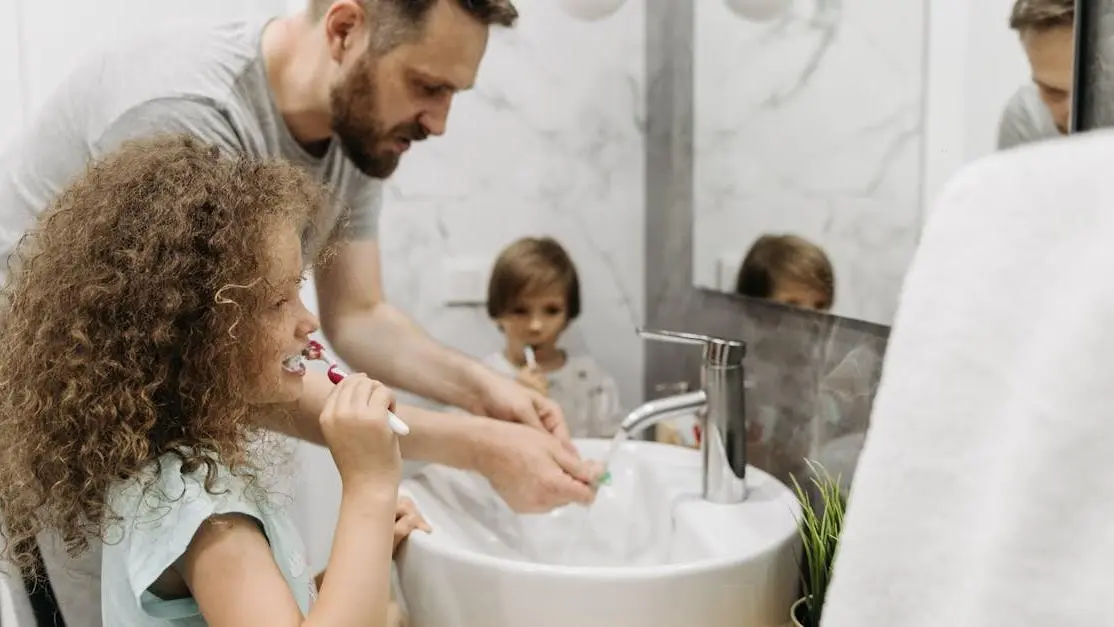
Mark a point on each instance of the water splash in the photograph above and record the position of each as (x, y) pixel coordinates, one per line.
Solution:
(603, 535)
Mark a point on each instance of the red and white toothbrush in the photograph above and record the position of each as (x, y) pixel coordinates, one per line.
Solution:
(316, 352)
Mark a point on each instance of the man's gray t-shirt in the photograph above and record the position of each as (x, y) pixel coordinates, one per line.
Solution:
(1025, 119)
(209, 81)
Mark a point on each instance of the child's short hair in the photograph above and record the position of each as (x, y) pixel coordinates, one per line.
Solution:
(780, 258)
(529, 265)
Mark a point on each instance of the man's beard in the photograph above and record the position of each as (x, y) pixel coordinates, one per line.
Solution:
(357, 125)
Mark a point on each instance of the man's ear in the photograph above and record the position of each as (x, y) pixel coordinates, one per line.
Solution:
(346, 28)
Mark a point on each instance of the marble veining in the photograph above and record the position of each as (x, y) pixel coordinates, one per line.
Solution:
(812, 124)
(550, 141)
(811, 377)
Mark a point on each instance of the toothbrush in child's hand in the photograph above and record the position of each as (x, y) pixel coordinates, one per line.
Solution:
(316, 352)
(532, 363)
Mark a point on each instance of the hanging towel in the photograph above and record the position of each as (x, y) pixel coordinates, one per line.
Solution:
(985, 492)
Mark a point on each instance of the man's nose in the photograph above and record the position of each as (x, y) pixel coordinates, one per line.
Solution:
(435, 120)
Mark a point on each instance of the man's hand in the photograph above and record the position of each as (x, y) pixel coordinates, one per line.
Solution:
(531, 470)
(533, 378)
(503, 398)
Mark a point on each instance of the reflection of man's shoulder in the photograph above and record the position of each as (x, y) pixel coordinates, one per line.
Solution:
(1025, 118)
(1026, 101)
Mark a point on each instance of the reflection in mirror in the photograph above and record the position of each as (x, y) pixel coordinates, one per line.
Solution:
(1000, 75)
(1041, 109)
(787, 269)
(839, 121)
(808, 124)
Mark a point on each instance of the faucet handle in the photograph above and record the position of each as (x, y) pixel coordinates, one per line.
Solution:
(717, 350)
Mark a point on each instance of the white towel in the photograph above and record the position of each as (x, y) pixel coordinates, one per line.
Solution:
(985, 492)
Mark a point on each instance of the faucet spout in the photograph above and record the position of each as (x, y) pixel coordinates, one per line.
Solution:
(723, 444)
(651, 413)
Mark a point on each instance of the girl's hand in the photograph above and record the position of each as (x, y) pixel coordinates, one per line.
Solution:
(407, 519)
(354, 423)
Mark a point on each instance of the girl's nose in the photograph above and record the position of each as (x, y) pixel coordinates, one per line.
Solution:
(308, 324)
(310, 327)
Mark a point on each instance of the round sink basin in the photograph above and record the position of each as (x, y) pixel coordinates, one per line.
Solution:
(648, 553)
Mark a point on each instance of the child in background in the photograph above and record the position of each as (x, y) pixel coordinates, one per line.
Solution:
(533, 295)
(152, 325)
(790, 270)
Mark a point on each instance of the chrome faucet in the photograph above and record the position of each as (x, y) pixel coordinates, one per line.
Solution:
(722, 401)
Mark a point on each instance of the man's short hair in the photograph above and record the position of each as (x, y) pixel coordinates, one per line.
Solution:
(413, 13)
(1042, 14)
(400, 21)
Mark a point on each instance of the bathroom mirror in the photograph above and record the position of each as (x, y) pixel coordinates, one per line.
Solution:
(823, 131)
(808, 128)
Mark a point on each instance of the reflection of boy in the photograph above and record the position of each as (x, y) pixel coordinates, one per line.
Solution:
(533, 296)
(790, 270)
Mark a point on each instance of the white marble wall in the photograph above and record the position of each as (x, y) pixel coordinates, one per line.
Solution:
(812, 123)
(549, 142)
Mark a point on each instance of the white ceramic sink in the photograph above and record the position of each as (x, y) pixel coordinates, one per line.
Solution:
(649, 553)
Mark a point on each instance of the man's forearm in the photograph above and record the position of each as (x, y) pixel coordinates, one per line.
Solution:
(453, 440)
(450, 439)
(388, 346)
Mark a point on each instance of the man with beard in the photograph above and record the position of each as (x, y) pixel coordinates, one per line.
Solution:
(342, 89)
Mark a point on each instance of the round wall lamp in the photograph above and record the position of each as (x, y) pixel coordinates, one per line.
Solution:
(591, 10)
(759, 10)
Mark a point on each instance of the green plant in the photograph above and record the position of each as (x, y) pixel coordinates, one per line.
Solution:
(820, 525)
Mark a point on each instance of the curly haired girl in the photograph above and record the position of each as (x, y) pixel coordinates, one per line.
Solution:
(153, 323)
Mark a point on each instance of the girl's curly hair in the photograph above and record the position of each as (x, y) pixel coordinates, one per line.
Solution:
(129, 326)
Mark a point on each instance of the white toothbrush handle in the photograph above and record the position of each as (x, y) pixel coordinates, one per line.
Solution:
(394, 422)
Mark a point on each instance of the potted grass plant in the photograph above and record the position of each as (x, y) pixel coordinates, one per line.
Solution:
(822, 506)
